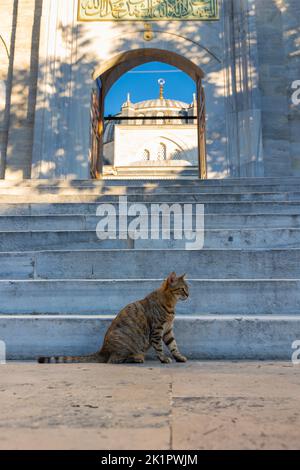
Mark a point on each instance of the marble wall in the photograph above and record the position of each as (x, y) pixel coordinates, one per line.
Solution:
(131, 142)
(249, 58)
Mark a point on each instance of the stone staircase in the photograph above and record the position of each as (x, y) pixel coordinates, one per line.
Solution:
(60, 285)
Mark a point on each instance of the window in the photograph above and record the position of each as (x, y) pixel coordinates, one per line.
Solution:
(162, 152)
(146, 155)
(177, 155)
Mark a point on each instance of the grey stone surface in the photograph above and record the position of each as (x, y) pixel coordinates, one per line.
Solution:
(89, 296)
(199, 337)
(90, 222)
(91, 198)
(214, 239)
(245, 204)
(148, 183)
(139, 264)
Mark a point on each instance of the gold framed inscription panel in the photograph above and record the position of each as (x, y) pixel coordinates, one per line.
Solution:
(148, 10)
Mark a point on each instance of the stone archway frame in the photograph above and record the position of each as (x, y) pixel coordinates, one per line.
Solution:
(111, 70)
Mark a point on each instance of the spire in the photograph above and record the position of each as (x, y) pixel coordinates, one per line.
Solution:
(161, 83)
(127, 103)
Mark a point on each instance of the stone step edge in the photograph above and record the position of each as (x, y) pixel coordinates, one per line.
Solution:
(22, 199)
(141, 193)
(199, 337)
(144, 191)
(31, 198)
(178, 317)
(217, 229)
(145, 250)
(145, 280)
(215, 214)
(71, 182)
(142, 201)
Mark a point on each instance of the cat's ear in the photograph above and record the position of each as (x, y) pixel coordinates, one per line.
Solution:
(172, 278)
(182, 276)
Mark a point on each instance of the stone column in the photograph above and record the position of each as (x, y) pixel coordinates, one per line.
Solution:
(24, 67)
(274, 85)
(243, 104)
(290, 14)
(7, 39)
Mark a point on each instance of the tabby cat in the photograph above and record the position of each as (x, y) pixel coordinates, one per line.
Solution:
(138, 326)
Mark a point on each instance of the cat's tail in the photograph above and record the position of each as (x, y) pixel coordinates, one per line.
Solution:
(96, 357)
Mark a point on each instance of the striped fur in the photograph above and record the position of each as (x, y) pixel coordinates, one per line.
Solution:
(138, 326)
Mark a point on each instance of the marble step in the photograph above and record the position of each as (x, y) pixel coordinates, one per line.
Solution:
(207, 296)
(49, 195)
(231, 239)
(90, 222)
(222, 182)
(140, 187)
(140, 264)
(210, 207)
(239, 337)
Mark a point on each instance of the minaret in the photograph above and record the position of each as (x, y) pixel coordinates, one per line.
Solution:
(128, 110)
(161, 83)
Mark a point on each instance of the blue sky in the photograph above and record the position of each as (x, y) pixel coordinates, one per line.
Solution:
(141, 83)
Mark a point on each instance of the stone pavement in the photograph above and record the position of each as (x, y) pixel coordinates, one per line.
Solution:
(198, 405)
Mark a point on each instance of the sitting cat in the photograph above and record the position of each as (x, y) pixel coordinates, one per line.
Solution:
(141, 324)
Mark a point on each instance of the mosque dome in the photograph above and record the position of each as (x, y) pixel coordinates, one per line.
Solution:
(161, 103)
(155, 108)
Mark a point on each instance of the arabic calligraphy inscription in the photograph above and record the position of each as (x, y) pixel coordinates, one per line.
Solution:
(146, 10)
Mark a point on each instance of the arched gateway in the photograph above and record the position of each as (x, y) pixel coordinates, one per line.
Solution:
(109, 72)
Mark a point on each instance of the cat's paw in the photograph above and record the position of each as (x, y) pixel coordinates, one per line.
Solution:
(165, 360)
(180, 358)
